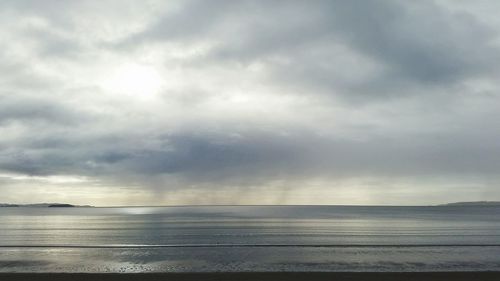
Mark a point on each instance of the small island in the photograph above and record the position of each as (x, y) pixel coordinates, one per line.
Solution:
(61, 206)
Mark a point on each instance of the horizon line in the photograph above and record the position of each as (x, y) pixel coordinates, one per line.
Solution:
(256, 205)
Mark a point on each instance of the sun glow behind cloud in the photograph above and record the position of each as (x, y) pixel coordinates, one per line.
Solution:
(134, 81)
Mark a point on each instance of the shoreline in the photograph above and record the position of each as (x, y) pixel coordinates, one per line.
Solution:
(261, 276)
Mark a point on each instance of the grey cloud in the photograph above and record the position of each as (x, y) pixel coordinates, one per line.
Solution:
(31, 109)
(443, 47)
(419, 46)
(52, 10)
(56, 46)
(195, 155)
(194, 18)
(256, 157)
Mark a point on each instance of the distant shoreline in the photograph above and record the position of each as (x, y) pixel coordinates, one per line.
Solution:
(65, 205)
(43, 205)
(260, 276)
(474, 203)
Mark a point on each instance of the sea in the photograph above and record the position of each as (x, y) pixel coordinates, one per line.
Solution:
(250, 238)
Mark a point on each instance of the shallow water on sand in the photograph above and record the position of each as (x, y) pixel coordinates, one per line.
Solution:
(249, 238)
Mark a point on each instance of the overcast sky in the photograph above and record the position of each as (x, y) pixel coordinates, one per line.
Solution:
(249, 102)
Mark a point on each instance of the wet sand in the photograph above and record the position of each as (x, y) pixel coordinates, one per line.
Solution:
(259, 276)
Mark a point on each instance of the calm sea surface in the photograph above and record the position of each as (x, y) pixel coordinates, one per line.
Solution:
(249, 238)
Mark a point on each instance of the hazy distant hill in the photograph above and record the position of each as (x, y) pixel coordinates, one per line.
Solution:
(8, 205)
(49, 205)
(42, 205)
(475, 203)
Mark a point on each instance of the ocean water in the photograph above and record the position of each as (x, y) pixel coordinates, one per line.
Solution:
(249, 238)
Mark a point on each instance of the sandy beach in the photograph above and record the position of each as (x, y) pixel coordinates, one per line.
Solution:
(260, 276)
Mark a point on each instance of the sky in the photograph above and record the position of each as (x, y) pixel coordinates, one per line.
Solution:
(249, 102)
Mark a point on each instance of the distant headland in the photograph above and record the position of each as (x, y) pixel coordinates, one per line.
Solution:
(473, 203)
(45, 205)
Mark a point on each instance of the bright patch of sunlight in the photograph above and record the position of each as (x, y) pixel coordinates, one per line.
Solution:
(134, 80)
